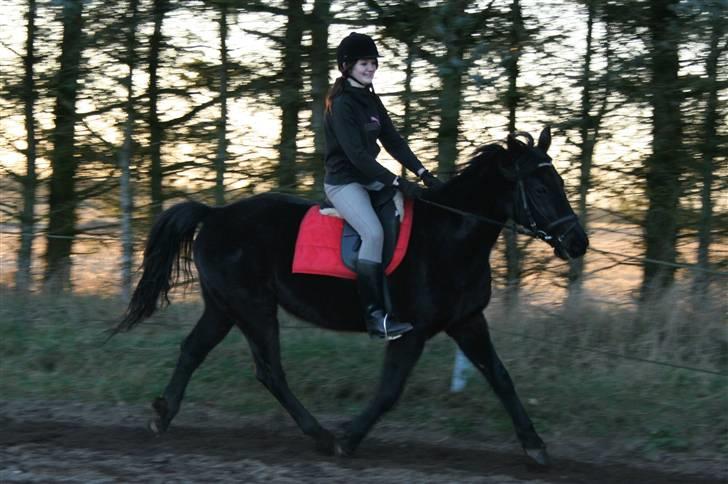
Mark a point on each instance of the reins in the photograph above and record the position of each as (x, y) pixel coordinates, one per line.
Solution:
(509, 226)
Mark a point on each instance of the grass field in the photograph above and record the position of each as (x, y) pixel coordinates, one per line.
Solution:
(55, 348)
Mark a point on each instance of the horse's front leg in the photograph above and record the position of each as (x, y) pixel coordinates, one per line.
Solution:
(401, 356)
(473, 337)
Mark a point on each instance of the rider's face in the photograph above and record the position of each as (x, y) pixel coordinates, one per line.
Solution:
(364, 69)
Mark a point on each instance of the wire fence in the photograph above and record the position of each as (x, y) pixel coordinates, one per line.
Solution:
(622, 258)
(611, 354)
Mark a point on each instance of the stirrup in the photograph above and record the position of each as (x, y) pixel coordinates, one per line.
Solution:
(377, 333)
(389, 337)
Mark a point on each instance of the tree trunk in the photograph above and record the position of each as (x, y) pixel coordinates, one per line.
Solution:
(221, 156)
(407, 97)
(514, 254)
(451, 98)
(290, 95)
(665, 165)
(708, 152)
(156, 130)
(27, 218)
(319, 59)
(588, 141)
(62, 199)
(125, 156)
(451, 72)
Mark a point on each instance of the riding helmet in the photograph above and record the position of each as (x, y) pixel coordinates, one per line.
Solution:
(353, 47)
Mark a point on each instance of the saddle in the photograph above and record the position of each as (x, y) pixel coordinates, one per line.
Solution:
(388, 204)
(327, 245)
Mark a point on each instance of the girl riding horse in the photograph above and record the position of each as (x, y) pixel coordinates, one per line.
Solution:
(355, 119)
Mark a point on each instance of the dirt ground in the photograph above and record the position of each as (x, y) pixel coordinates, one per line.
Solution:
(44, 441)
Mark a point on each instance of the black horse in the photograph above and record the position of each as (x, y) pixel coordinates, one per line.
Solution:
(243, 254)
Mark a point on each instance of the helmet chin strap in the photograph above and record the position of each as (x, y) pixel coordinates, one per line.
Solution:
(351, 77)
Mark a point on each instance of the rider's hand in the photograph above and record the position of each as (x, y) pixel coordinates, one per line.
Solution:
(430, 180)
(408, 188)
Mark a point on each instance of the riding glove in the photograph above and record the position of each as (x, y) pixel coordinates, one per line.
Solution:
(430, 180)
(408, 188)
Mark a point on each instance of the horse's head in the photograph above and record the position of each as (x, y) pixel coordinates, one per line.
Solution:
(539, 202)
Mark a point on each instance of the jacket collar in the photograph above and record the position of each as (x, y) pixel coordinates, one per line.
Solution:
(362, 95)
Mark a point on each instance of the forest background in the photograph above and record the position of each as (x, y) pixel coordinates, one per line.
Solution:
(111, 112)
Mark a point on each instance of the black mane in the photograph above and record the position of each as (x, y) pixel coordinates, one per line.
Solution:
(480, 169)
(482, 155)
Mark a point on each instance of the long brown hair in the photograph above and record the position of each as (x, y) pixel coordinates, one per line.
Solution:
(334, 91)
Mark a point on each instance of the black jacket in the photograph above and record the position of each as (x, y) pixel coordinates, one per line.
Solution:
(356, 121)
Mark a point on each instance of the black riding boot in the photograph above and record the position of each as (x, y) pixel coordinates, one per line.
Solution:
(370, 280)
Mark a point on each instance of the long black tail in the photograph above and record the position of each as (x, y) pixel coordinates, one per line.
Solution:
(167, 256)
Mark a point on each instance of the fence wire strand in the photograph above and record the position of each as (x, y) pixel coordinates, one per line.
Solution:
(612, 354)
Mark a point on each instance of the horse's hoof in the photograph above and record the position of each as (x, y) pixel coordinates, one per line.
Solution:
(159, 425)
(326, 444)
(155, 427)
(344, 445)
(341, 450)
(539, 456)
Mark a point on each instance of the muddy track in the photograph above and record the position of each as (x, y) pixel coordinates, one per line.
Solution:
(42, 445)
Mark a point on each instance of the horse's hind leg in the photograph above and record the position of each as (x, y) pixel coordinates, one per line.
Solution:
(473, 337)
(261, 331)
(212, 327)
(401, 356)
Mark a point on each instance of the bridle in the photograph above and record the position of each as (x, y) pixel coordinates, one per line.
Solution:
(532, 230)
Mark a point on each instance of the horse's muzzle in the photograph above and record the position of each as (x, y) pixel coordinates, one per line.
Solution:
(572, 243)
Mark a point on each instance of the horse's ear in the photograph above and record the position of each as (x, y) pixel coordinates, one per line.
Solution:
(544, 139)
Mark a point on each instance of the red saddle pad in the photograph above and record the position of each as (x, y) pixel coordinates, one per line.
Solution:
(318, 246)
